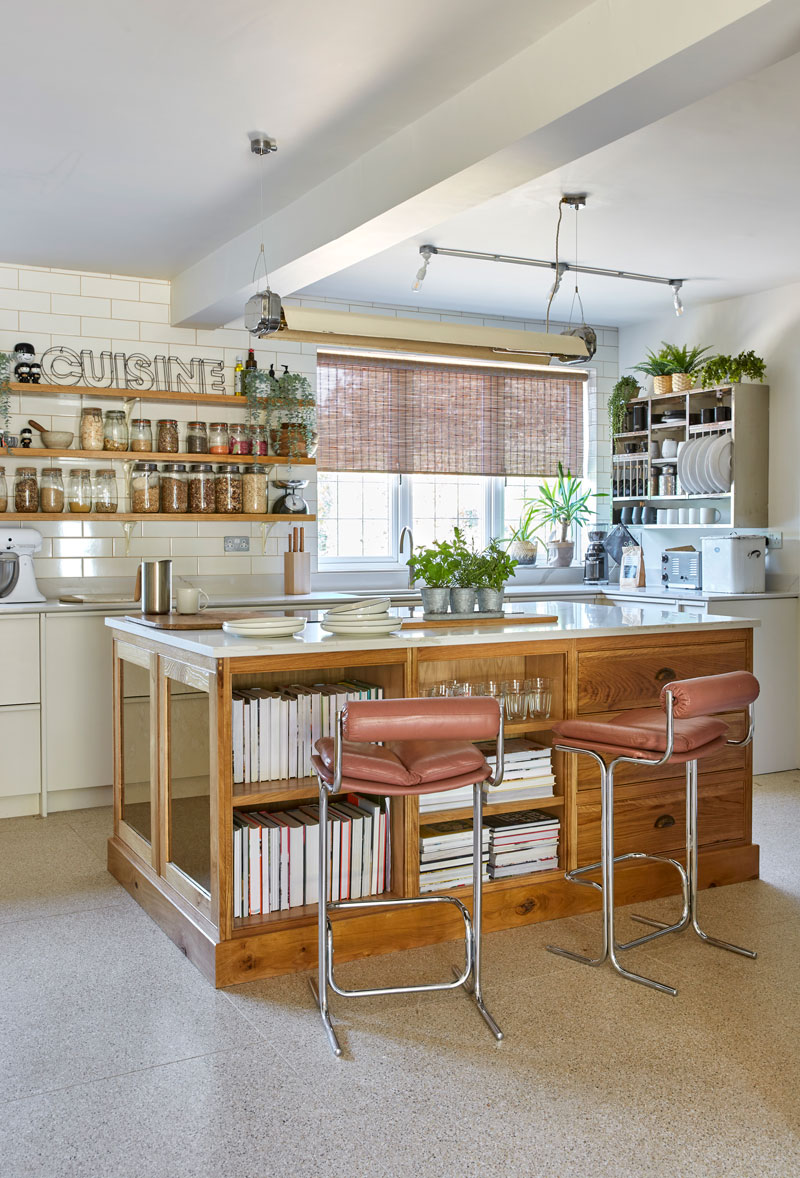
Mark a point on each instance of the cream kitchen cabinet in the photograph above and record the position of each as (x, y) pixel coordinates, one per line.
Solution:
(20, 755)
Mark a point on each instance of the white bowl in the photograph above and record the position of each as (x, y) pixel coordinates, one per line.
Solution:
(372, 605)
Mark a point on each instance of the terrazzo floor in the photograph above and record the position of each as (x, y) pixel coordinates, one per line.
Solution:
(118, 1060)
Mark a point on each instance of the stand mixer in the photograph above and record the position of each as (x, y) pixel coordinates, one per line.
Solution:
(17, 579)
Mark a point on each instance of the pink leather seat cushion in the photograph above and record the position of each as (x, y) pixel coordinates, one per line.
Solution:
(643, 732)
(406, 763)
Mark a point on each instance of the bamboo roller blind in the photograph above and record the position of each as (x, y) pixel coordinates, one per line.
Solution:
(413, 417)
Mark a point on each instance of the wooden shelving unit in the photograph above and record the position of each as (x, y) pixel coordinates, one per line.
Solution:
(103, 456)
(167, 517)
(115, 394)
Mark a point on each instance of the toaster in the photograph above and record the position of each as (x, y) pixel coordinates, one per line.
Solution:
(682, 570)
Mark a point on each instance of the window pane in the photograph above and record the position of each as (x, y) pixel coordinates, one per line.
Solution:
(443, 502)
(516, 491)
(355, 513)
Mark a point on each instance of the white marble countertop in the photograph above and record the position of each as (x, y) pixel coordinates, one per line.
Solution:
(573, 621)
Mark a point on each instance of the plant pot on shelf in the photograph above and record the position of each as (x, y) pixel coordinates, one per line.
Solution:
(560, 553)
(662, 385)
(490, 600)
(462, 601)
(435, 601)
(524, 551)
(682, 382)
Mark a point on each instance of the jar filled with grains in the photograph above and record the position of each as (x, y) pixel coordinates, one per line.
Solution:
(218, 437)
(174, 489)
(51, 491)
(115, 430)
(79, 490)
(259, 444)
(26, 489)
(239, 439)
(167, 441)
(141, 435)
(105, 490)
(91, 431)
(228, 490)
(202, 493)
(196, 438)
(144, 488)
(254, 490)
(3, 490)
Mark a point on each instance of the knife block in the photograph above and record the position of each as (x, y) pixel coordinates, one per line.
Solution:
(296, 572)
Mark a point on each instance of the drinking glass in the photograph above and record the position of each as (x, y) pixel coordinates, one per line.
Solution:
(540, 699)
(514, 696)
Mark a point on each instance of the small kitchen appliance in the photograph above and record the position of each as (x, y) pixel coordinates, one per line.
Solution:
(17, 579)
(154, 586)
(682, 569)
(734, 564)
(595, 562)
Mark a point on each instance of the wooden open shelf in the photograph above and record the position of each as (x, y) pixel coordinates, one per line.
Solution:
(171, 517)
(521, 727)
(550, 803)
(263, 793)
(22, 455)
(495, 885)
(78, 390)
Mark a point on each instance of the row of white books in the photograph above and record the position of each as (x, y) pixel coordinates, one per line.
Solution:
(527, 775)
(276, 854)
(512, 844)
(275, 729)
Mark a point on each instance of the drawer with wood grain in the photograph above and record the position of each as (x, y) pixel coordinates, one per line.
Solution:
(633, 677)
(654, 821)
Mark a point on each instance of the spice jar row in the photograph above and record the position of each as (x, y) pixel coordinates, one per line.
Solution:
(85, 490)
(110, 431)
(199, 490)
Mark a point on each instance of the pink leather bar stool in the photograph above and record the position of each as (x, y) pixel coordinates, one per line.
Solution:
(642, 737)
(425, 748)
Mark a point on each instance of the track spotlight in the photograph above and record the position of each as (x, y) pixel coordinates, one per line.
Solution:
(676, 296)
(426, 254)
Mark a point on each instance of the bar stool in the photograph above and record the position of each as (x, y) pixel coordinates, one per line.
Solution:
(691, 734)
(425, 749)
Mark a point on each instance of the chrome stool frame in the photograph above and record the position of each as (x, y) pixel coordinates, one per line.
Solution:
(688, 875)
(470, 976)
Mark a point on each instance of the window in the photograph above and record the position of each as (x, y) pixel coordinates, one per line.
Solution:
(357, 515)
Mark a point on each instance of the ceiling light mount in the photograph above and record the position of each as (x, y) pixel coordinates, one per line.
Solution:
(261, 143)
(575, 200)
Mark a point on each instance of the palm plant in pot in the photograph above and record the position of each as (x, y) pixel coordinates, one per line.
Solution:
(660, 367)
(495, 566)
(686, 364)
(435, 565)
(562, 505)
(523, 543)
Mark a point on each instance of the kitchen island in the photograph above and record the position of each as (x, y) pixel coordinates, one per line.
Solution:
(175, 796)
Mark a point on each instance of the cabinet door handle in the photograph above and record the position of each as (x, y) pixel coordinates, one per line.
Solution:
(665, 674)
(664, 820)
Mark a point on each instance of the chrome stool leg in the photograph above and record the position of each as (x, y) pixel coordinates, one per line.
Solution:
(320, 991)
(474, 986)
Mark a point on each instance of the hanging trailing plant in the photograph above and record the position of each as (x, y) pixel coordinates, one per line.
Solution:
(287, 406)
(5, 393)
(623, 391)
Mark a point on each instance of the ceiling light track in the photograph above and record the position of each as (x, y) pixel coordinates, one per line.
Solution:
(427, 250)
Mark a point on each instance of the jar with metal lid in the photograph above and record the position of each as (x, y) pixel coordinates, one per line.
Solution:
(91, 429)
(26, 489)
(167, 440)
(141, 435)
(239, 441)
(668, 482)
(174, 489)
(259, 443)
(254, 490)
(218, 437)
(51, 489)
(144, 488)
(79, 490)
(228, 490)
(105, 490)
(3, 490)
(196, 438)
(202, 492)
(115, 430)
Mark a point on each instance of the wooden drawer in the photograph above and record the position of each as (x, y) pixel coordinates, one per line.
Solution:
(632, 678)
(655, 820)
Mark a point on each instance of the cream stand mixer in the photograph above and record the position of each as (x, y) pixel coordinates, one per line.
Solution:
(17, 579)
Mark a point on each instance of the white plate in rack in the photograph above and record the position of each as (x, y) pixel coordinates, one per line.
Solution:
(721, 460)
(690, 475)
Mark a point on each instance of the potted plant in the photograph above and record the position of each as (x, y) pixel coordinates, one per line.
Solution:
(436, 566)
(661, 368)
(495, 566)
(287, 406)
(562, 505)
(721, 370)
(5, 394)
(466, 575)
(626, 388)
(523, 543)
(686, 362)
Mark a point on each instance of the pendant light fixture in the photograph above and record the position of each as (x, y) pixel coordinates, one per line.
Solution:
(262, 312)
(584, 332)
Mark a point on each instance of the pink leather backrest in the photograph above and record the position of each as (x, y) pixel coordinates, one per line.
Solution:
(709, 694)
(456, 718)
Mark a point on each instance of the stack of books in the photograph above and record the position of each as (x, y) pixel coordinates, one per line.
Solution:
(522, 842)
(276, 854)
(275, 729)
(527, 775)
(445, 853)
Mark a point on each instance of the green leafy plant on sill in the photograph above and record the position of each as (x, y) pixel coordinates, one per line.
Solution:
(655, 364)
(287, 406)
(721, 370)
(467, 572)
(435, 565)
(494, 566)
(563, 504)
(626, 388)
(685, 359)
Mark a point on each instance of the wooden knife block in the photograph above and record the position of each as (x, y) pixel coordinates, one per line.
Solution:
(297, 572)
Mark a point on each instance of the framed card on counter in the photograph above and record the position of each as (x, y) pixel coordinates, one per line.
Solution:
(631, 569)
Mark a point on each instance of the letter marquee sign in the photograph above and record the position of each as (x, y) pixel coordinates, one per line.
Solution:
(135, 371)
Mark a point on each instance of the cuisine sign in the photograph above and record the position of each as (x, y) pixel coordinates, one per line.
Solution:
(133, 370)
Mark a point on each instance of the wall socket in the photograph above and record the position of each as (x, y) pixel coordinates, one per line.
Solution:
(237, 543)
(774, 540)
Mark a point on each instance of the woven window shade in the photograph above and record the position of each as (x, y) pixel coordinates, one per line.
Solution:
(412, 417)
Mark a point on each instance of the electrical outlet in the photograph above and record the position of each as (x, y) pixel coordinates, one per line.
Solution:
(774, 540)
(237, 543)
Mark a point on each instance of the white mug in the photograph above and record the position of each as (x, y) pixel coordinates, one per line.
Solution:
(684, 515)
(672, 515)
(695, 515)
(669, 448)
(188, 600)
(709, 515)
(661, 515)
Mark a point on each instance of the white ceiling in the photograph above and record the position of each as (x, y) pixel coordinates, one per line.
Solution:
(126, 148)
(709, 194)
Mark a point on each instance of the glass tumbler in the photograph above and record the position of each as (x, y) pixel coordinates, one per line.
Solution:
(515, 699)
(540, 698)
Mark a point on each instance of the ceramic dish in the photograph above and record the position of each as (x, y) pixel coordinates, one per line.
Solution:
(371, 605)
(682, 461)
(721, 459)
(694, 467)
(290, 627)
(362, 631)
(277, 621)
(706, 477)
(685, 465)
(376, 621)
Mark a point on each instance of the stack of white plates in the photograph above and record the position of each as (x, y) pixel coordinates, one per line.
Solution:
(369, 619)
(705, 465)
(270, 626)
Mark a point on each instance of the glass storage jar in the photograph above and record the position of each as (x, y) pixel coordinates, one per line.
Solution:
(254, 490)
(115, 430)
(259, 444)
(167, 441)
(202, 493)
(196, 438)
(105, 490)
(3, 490)
(144, 488)
(26, 489)
(218, 437)
(239, 441)
(228, 490)
(174, 489)
(141, 439)
(91, 430)
(51, 489)
(79, 490)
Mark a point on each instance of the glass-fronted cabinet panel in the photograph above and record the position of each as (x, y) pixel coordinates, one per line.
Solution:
(189, 782)
(136, 725)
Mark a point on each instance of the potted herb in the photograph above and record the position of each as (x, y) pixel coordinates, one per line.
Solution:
(436, 566)
(721, 370)
(563, 505)
(686, 362)
(661, 368)
(626, 388)
(495, 566)
(466, 575)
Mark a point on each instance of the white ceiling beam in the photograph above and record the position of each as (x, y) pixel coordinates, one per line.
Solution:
(614, 67)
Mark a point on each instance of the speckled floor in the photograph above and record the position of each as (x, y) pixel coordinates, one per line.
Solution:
(117, 1060)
